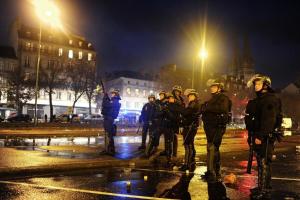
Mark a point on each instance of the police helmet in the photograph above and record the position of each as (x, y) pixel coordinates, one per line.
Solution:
(178, 88)
(259, 77)
(151, 96)
(169, 94)
(162, 92)
(189, 92)
(116, 92)
(216, 82)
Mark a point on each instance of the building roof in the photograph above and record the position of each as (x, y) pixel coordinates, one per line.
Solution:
(54, 36)
(129, 74)
(7, 52)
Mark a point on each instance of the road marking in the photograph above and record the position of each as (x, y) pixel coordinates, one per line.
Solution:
(80, 190)
(241, 176)
(274, 178)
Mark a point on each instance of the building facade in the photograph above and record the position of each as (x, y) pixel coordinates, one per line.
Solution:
(57, 49)
(134, 94)
(8, 64)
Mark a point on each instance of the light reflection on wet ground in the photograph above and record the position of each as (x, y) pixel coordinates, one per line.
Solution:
(161, 183)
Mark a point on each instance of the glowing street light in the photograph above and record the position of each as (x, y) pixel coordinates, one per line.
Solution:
(48, 13)
(203, 54)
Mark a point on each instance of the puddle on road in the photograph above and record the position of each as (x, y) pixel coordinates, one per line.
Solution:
(61, 141)
(153, 182)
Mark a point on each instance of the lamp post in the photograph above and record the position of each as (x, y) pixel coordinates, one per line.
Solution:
(47, 12)
(203, 56)
(37, 76)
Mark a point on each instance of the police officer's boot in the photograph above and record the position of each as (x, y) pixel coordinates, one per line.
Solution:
(164, 152)
(184, 167)
(169, 152)
(111, 147)
(264, 192)
(217, 164)
(210, 175)
(149, 147)
(144, 137)
(259, 176)
(175, 145)
(191, 157)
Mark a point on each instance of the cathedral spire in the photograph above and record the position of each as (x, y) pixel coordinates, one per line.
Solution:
(236, 61)
(247, 59)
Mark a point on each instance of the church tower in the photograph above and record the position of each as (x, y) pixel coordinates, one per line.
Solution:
(246, 68)
(236, 61)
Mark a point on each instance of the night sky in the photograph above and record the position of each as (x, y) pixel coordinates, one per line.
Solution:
(146, 34)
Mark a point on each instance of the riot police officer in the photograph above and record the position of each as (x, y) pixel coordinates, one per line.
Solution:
(159, 117)
(146, 118)
(170, 124)
(110, 111)
(177, 92)
(215, 116)
(191, 116)
(266, 122)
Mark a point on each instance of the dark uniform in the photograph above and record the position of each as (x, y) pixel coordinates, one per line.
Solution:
(170, 121)
(179, 100)
(215, 116)
(110, 111)
(191, 116)
(265, 112)
(160, 119)
(146, 118)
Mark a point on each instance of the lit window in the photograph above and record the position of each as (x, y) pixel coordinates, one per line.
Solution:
(60, 52)
(80, 43)
(128, 91)
(128, 104)
(58, 95)
(89, 45)
(69, 96)
(71, 54)
(70, 42)
(137, 91)
(28, 45)
(80, 55)
(89, 56)
(151, 91)
(27, 61)
(144, 93)
(136, 105)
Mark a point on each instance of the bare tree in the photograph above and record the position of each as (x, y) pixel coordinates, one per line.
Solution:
(20, 89)
(51, 79)
(77, 82)
(90, 86)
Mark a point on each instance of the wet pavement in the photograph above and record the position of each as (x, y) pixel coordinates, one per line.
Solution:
(145, 183)
(135, 182)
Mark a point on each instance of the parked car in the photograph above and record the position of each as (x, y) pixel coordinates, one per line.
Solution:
(19, 118)
(67, 118)
(93, 118)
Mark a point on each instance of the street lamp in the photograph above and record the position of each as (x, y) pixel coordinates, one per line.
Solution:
(203, 56)
(48, 13)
